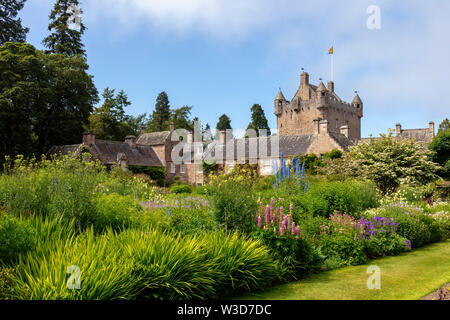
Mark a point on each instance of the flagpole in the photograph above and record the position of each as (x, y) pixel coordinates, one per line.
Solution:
(332, 66)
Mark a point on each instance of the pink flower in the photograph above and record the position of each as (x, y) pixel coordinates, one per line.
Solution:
(259, 220)
(267, 217)
(291, 208)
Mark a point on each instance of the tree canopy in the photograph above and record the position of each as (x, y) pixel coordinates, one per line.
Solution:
(441, 148)
(45, 99)
(11, 29)
(259, 120)
(63, 39)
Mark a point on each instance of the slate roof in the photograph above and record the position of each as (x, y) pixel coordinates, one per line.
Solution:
(112, 152)
(289, 145)
(420, 135)
(153, 138)
(341, 140)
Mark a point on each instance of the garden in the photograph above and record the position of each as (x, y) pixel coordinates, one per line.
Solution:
(72, 229)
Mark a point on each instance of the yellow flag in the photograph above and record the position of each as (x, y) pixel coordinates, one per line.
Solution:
(330, 51)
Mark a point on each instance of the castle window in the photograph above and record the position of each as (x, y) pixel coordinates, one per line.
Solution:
(337, 123)
(172, 167)
(279, 103)
(199, 168)
(182, 167)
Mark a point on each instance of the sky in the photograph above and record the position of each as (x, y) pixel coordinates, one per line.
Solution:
(223, 56)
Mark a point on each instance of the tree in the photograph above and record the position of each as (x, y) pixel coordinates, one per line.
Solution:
(11, 29)
(161, 115)
(63, 39)
(259, 120)
(224, 123)
(44, 99)
(109, 122)
(180, 118)
(441, 148)
(390, 161)
(444, 126)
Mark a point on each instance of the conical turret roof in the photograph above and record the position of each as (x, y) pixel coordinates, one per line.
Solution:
(321, 87)
(356, 99)
(280, 96)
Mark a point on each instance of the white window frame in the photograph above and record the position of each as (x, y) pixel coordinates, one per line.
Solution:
(172, 167)
(182, 168)
(199, 168)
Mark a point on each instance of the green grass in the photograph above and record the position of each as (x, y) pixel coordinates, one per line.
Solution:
(409, 276)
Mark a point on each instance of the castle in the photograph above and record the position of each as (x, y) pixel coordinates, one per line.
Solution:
(315, 121)
(312, 105)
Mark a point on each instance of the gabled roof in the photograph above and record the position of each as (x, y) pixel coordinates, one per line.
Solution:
(153, 138)
(112, 152)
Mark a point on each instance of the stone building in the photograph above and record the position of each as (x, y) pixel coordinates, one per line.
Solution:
(312, 104)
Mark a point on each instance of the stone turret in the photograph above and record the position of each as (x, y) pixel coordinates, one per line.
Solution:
(358, 104)
(280, 100)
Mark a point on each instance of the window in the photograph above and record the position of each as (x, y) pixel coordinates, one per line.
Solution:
(337, 122)
(172, 167)
(182, 167)
(321, 156)
(200, 168)
(200, 149)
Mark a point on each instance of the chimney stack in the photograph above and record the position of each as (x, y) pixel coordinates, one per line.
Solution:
(431, 127)
(172, 126)
(222, 139)
(304, 78)
(323, 125)
(143, 129)
(89, 138)
(344, 130)
(131, 140)
(190, 137)
(398, 129)
(331, 86)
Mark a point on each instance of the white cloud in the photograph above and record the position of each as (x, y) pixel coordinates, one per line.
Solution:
(404, 62)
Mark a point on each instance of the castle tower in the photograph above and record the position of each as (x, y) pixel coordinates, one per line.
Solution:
(312, 104)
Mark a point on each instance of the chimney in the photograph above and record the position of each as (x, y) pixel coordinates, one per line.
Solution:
(143, 129)
(398, 129)
(344, 130)
(304, 78)
(323, 127)
(223, 134)
(172, 126)
(431, 127)
(331, 86)
(131, 140)
(89, 138)
(190, 137)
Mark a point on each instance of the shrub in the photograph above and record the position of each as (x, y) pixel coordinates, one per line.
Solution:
(156, 173)
(233, 201)
(443, 219)
(180, 188)
(344, 246)
(17, 237)
(414, 225)
(350, 197)
(115, 211)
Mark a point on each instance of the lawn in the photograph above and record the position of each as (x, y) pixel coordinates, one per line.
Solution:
(409, 276)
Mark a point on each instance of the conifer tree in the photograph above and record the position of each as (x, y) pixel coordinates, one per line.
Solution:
(67, 29)
(11, 29)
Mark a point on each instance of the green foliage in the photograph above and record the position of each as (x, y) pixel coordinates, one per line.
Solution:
(11, 29)
(16, 238)
(333, 154)
(441, 148)
(349, 197)
(39, 93)
(64, 40)
(349, 251)
(383, 244)
(146, 264)
(224, 123)
(6, 288)
(157, 174)
(416, 226)
(109, 121)
(233, 201)
(181, 188)
(390, 161)
(114, 211)
(444, 125)
(259, 120)
(160, 118)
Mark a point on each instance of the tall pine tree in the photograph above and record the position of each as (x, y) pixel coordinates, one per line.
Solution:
(11, 29)
(259, 120)
(161, 115)
(64, 39)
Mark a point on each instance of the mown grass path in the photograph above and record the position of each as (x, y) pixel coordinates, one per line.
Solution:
(409, 276)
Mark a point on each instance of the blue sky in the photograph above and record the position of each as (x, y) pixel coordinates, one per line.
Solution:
(222, 56)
